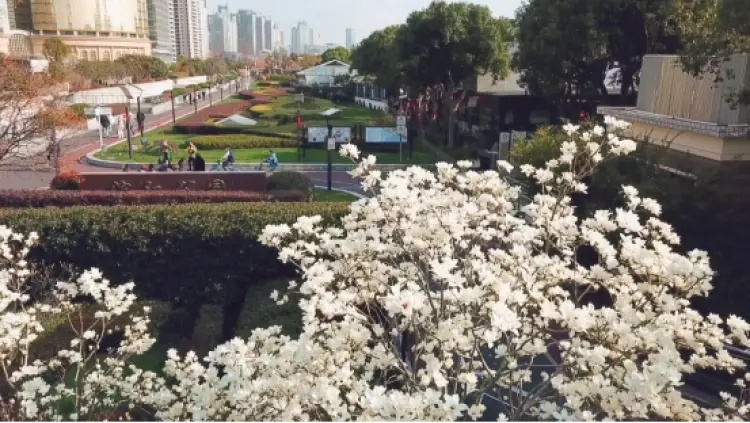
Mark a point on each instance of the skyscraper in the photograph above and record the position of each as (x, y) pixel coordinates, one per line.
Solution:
(161, 30)
(228, 29)
(294, 46)
(259, 34)
(268, 40)
(351, 38)
(191, 28)
(278, 38)
(311, 40)
(303, 36)
(204, 28)
(216, 35)
(246, 32)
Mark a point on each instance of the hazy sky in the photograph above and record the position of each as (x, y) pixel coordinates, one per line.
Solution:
(330, 18)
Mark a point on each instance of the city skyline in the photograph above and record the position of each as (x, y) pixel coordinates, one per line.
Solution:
(331, 18)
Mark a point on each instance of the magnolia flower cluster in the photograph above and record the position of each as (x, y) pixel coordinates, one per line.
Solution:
(443, 296)
(75, 373)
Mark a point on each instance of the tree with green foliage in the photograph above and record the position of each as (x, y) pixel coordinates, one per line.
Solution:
(377, 57)
(566, 47)
(342, 54)
(712, 31)
(143, 68)
(55, 50)
(445, 44)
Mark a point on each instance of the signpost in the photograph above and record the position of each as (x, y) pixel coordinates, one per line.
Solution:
(330, 147)
(402, 133)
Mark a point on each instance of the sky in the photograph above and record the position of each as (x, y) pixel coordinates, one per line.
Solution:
(330, 18)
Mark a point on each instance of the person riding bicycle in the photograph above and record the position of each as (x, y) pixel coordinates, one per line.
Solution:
(272, 160)
(227, 159)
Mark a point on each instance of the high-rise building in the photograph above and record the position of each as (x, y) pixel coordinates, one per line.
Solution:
(278, 38)
(94, 29)
(162, 30)
(260, 34)
(294, 46)
(191, 28)
(228, 29)
(268, 40)
(216, 35)
(303, 36)
(246, 33)
(5, 12)
(351, 38)
(204, 29)
(311, 39)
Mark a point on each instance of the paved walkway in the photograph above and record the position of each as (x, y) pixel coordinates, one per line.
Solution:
(74, 149)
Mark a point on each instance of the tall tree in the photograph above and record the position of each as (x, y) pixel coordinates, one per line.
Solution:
(309, 60)
(31, 115)
(341, 54)
(447, 43)
(55, 50)
(713, 30)
(377, 57)
(566, 47)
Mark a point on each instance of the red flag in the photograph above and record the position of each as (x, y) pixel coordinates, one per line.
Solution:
(299, 122)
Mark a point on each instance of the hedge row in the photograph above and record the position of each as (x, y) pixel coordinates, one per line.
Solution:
(56, 198)
(241, 141)
(187, 254)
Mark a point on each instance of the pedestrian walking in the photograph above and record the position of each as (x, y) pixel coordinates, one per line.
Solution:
(121, 127)
(191, 151)
(141, 118)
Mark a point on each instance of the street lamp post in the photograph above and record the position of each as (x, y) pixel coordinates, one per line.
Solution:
(195, 97)
(328, 150)
(174, 117)
(210, 99)
(127, 129)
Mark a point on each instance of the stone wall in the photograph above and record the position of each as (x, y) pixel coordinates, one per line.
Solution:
(193, 181)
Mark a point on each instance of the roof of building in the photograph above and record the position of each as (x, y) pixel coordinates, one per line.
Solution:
(326, 68)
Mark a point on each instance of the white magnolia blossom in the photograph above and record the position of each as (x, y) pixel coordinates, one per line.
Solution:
(443, 294)
(82, 375)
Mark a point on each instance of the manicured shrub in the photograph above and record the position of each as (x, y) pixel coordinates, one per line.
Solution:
(294, 181)
(68, 180)
(241, 141)
(52, 198)
(189, 254)
(260, 109)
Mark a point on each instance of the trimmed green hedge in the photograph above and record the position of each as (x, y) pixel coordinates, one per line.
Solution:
(186, 254)
(291, 181)
(220, 142)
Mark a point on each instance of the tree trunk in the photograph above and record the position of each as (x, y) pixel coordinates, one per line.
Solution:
(626, 76)
(234, 300)
(451, 116)
(420, 119)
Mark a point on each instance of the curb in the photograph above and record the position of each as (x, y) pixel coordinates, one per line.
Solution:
(356, 194)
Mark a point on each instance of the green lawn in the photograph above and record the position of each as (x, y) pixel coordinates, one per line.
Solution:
(286, 155)
(232, 99)
(323, 196)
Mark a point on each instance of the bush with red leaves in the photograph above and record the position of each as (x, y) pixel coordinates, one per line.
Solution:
(66, 180)
(53, 198)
